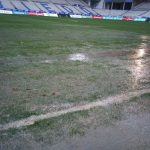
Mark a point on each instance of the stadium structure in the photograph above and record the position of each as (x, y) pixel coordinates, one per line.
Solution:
(98, 9)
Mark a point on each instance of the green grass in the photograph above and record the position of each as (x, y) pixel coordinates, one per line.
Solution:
(28, 86)
(38, 35)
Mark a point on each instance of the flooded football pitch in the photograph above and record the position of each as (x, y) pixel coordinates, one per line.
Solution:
(80, 88)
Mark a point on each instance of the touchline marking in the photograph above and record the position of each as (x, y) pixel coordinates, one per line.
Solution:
(104, 102)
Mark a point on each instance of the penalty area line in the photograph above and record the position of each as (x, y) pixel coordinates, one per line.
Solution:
(103, 102)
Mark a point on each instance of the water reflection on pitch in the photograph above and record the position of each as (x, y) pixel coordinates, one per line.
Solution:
(139, 66)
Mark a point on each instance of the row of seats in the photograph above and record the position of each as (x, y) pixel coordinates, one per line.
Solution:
(65, 2)
(133, 13)
(106, 12)
(6, 4)
(145, 6)
(147, 14)
(76, 7)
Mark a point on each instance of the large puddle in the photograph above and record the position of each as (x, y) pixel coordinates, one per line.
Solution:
(130, 134)
(140, 63)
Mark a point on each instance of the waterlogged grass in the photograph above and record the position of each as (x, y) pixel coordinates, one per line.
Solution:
(33, 87)
(37, 76)
(75, 124)
(55, 130)
(139, 104)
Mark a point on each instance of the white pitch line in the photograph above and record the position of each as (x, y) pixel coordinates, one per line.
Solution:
(104, 102)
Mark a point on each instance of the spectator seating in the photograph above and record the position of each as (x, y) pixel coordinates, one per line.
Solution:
(72, 7)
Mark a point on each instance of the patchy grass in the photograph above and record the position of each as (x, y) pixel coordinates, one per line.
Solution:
(37, 76)
(26, 82)
(54, 130)
(70, 124)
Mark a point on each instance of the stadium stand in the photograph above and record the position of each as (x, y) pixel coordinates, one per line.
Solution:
(103, 12)
(76, 3)
(100, 5)
(133, 13)
(6, 4)
(30, 6)
(51, 8)
(147, 14)
(107, 12)
(145, 6)
(39, 5)
(59, 2)
(117, 12)
(18, 5)
(73, 7)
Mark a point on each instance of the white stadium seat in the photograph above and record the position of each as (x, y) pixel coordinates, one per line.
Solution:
(7, 4)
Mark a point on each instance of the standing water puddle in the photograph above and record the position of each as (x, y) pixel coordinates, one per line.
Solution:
(78, 57)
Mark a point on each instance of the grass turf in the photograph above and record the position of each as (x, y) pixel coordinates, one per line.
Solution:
(29, 85)
(37, 75)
